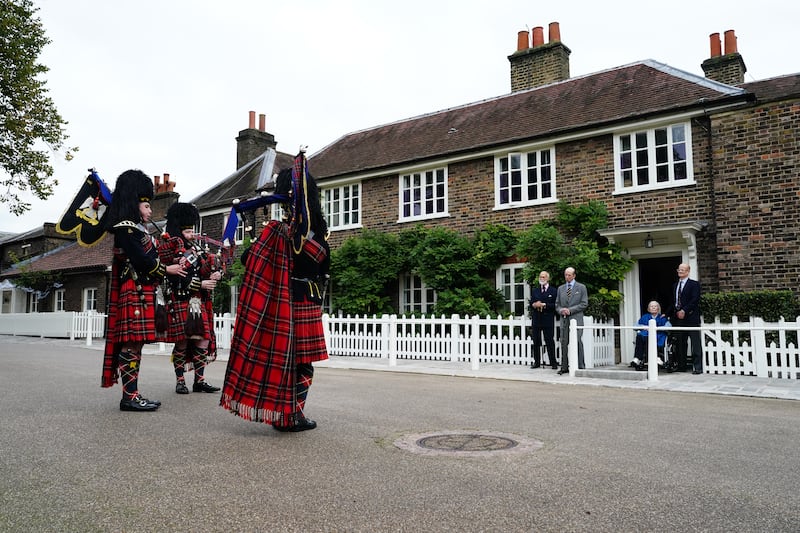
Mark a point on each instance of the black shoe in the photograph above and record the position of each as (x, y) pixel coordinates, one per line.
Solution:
(137, 403)
(554, 367)
(181, 388)
(154, 402)
(695, 372)
(535, 365)
(303, 425)
(562, 371)
(202, 386)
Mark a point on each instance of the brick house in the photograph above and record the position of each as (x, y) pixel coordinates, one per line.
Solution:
(83, 272)
(693, 169)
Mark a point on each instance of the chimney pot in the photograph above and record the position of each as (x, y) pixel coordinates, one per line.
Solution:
(716, 45)
(157, 180)
(522, 40)
(262, 119)
(252, 120)
(730, 42)
(538, 36)
(554, 32)
(166, 178)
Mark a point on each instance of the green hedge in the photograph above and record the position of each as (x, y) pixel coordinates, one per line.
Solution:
(769, 305)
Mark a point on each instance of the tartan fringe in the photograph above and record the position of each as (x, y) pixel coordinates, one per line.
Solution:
(266, 416)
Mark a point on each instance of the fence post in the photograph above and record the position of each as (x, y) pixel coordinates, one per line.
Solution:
(326, 328)
(588, 342)
(89, 326)
(572, 349)
(74, 325)
(474, 343)
(759, 341)
(390, 323)
(652, 351)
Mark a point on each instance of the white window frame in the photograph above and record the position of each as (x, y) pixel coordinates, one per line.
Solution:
(6, 301)
(531, 174)
(89, 296)
(59, 299)
(415, 296)
(637, 156)
(33, 302)
(514, 302)
(423, 193)
(342, 206)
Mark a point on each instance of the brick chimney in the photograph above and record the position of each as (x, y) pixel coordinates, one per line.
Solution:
(253, 142)
(536, 63)
(165, 196)
(728, 68)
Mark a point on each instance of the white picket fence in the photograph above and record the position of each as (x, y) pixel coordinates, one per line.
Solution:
(477, 340)
(66, 324)
(473, 339)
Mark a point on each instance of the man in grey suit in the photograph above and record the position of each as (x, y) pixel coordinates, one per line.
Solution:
(571, 302)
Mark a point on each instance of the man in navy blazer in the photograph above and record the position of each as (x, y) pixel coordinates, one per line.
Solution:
(571, 301)
(543, 320)
(685, 312)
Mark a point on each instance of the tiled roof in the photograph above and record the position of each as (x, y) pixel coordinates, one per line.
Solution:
(30, 234)
(637, 90)
(779, 87)
(241, 184)
(70, 257)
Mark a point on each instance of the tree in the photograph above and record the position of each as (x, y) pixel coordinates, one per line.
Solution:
(363, 270)
(601, 265)
(29, 117)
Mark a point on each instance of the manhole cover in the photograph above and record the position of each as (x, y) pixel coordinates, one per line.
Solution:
(467, 443)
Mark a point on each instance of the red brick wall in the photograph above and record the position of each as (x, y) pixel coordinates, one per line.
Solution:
(756, 161)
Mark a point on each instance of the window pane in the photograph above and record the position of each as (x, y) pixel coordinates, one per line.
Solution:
(680, 171)
(661, 155)
(678, 133)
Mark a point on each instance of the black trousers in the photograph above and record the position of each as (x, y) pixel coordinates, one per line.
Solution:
(681, 349)
(546, 331)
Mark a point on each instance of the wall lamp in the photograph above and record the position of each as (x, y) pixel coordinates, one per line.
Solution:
(648, 242)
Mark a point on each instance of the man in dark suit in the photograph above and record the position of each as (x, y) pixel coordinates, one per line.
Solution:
(685, 312)
(571, 301)
(543, 320)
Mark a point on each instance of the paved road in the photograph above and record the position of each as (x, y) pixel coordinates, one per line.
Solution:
(611, 458)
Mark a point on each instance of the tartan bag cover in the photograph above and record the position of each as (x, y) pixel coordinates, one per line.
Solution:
(260, 377)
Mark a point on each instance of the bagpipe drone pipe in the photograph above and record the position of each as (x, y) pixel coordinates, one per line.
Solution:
(295, 200)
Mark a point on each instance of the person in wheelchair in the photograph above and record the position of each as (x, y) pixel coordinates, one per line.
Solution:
(640, 352)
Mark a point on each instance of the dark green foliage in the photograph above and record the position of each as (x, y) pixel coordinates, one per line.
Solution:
(582, 221)
(469, 301)
(443, 259)
(28, 115)
(364, 271)
(492, 245)
(599, 264)
(544, 248)
(769, 305)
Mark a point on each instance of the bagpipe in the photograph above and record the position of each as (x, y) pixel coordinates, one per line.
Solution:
(295, 202)
(85, 214)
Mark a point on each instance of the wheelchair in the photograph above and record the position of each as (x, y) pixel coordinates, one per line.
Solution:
(665, 353)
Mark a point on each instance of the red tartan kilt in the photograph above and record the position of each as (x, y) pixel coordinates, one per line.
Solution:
(308, 333)
(135, 322)
(176, 331)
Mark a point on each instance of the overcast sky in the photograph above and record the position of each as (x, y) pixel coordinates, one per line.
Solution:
(166, 85)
